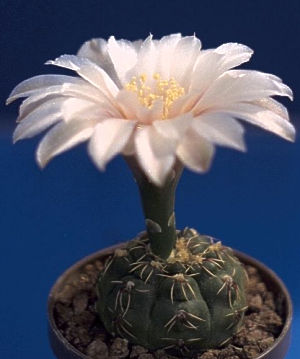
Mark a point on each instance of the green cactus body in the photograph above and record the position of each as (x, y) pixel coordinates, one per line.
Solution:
(191, 301)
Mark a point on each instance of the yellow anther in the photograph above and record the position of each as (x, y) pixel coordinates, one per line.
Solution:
(166, 90)
(143, 78)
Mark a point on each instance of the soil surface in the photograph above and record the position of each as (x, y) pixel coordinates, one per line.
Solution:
(78, 322)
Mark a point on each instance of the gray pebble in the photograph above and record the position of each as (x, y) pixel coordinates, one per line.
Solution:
(137, 350)
(97, 349)
(119, 348)
(80, 302)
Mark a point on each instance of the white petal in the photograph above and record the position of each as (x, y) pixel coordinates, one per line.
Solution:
(220, 129)
(174, 128)
(148, 115)
(195, 152)
(129, 148)
(185, 56)
(241, 85)
(83, 90)
(207, 69)
(33, 102)
(88, 70)
(213, 63)
(123, 56)
(184, 104)
(62, 137)
(234, 54)
(37, 83)
(266, 119)
(146, 60)
(38, 120)
(166, 51)
(71, 105)
(75, 108)
(128, 103)
(137, 44)
(96, 51)
(273, 83)
(109, 138)
(154, 153)
(274, 106)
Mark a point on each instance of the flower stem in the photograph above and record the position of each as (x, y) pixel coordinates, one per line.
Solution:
(158, 206)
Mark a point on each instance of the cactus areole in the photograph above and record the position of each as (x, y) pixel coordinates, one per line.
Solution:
(168, 288)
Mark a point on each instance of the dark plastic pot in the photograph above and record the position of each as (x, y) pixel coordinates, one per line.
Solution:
(64, 350)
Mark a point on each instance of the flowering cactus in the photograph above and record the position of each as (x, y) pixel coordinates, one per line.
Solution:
(162, 104)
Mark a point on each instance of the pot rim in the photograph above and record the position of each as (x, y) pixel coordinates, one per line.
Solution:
(245, 259)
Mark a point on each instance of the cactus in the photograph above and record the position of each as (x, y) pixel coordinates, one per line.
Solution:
(191, 301)
(166, 289)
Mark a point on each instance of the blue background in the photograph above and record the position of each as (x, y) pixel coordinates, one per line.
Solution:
(49, 219)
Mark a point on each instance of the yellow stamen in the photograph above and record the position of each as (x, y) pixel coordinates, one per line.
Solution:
(166, 90)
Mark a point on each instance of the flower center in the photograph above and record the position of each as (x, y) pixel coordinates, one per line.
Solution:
(166, 90)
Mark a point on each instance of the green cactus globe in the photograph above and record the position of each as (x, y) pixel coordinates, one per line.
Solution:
(192, 301)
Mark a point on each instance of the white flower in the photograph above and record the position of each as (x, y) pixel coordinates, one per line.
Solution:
(159, 100)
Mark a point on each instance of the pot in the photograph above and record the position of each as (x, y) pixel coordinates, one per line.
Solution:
(64, 350)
